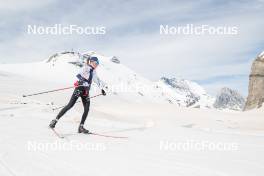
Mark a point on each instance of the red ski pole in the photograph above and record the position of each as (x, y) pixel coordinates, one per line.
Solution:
(55, 90)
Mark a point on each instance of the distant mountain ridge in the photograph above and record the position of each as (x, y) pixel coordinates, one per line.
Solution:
(188, 93)
(128, 85)
(229, 99)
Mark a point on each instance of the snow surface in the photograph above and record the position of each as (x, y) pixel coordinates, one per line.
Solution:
(148, 124)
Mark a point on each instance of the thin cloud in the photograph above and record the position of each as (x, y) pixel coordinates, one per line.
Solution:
(133, 35)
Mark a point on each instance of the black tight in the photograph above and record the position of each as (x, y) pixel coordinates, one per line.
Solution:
(78, 92)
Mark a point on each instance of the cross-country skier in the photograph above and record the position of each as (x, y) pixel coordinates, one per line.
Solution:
(82, 87)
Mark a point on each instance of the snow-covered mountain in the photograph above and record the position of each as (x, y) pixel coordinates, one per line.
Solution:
(185, 93)
(123, 83)
(229, 99)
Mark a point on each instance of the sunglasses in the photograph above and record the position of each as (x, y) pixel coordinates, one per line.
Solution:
(96, 62)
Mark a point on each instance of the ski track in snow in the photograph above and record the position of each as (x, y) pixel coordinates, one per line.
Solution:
(9, 108)
(140, 136)
(6, 168)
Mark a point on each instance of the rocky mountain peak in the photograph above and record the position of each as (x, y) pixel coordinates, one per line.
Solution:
(255, 97)
(229, 99)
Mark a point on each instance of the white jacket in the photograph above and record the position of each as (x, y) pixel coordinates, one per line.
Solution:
(85, 73)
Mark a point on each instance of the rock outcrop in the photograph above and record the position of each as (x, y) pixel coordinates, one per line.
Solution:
(229, 99)
(115, 60)
(255, 97)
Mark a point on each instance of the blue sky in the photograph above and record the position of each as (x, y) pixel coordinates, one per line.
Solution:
(132, 34)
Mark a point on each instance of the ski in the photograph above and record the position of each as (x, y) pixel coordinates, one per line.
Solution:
(108, 136)
(90, 133)
(57, 134)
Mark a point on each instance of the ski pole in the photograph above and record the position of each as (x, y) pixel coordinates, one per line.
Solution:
(39, 93)
(77, 102)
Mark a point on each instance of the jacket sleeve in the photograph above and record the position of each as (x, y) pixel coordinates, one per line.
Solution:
(98, 81)
(84, 74)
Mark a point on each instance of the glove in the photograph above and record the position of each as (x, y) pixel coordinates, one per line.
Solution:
(103, 92)
(80, 83)
(76, 84)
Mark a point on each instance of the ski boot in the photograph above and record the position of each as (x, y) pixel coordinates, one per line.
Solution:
(53, 123)
(83, 130)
